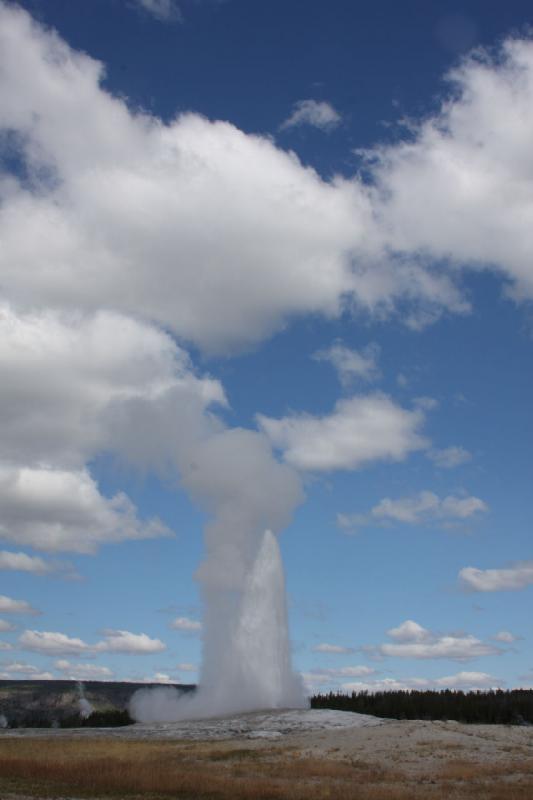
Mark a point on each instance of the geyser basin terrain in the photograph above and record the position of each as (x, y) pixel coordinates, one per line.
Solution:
(252, 725)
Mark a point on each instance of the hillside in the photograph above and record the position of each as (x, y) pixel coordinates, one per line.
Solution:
(29, 703)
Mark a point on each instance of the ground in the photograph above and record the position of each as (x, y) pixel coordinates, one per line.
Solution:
(293, 754)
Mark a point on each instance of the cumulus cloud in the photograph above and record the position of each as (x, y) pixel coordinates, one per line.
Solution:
(15, 670)
(27, 670)
(317, 113)
(469, 681)
(318, 679)
(460, 188)
(114, 641)
(70, 394)
(126, 214)
(516, 576)
(10, 606)
(361, 429)
(125, 642)
(163, 10)
(186, 624)
(66, 378)
(22, 562)
(409, 631)
(351, 364)
(82, 672)
(6, 626)
(59, 510)
(411, 640)
(51, 643)
(425, 507)
(115, 203)
(449, 457)
(336, 649)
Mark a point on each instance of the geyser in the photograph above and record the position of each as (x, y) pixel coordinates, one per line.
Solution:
(253, 668)
(86, 708)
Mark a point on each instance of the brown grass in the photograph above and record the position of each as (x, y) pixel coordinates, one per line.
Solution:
(222, 771)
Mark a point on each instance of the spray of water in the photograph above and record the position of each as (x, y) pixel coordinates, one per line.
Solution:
(3, 721)
(232, 474)
(86, 709)
(253, 671)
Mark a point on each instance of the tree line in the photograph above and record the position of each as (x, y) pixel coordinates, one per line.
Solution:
(509, 707)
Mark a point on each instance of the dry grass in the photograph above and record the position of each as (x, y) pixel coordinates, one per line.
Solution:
(154, 769)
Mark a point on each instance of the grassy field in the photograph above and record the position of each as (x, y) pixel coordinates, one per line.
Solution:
(92, 768)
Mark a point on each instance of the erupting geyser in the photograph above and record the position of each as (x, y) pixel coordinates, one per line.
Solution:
(256, 669)
(86, 708)
(253, 669)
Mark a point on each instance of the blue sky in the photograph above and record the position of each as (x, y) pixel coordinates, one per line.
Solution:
(272, 251)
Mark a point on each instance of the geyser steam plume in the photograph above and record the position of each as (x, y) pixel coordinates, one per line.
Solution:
(86, 708)
(233, 475)
(253, 671)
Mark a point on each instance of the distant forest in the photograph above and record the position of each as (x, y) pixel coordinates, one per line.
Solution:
(514, 707)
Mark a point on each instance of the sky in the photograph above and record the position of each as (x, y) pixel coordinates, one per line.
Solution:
(267, 261)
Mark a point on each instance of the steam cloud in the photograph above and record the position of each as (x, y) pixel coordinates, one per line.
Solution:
(86, 708)
(251, 667)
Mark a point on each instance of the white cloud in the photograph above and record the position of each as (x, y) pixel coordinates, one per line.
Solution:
(449, 457)
(351, 364)
(322, 679)
(14, 670)
(68, 395)
(114, 641)
(124, 214)
(318, 114)
(409, 631)
(413, 641)
(126, 642)
(459, 648)
(10, 606)
(385, 685)
(163, 10)
(505, 636)
(59, 510)
(361, 429)
(83, 672)
(162, 677)
(422, 508)
(186, 624)
(157, 677)
(132, 198)
(22, 562)
(517, 576)
(5, 646)
(51, 643)
(469, 681)
(324, 647)
(65, 384)
(6, 626)
(20, 668)
(460, 188)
